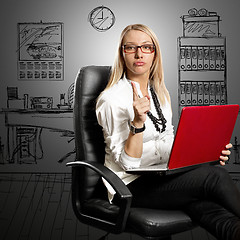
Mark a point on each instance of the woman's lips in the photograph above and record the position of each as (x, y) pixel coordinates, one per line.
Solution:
(139, 63)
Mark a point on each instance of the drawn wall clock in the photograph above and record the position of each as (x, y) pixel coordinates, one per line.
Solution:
(101, 18)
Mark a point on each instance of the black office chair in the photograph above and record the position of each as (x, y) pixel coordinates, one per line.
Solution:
(89, 197)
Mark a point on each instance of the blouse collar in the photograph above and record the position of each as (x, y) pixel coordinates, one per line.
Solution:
(136, 84)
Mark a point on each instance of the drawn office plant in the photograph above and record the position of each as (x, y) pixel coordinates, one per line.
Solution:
(201, 60)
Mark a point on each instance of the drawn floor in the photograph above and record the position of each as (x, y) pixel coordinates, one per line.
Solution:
(38, 206)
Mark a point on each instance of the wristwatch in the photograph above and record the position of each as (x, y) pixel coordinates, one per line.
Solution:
(135, 130)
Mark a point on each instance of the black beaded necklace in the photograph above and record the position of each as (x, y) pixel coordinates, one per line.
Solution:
(161, 119)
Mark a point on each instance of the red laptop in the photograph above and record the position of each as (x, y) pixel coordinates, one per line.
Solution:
(202, 134)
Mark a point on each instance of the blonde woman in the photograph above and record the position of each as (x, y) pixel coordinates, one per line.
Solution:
(135, 113)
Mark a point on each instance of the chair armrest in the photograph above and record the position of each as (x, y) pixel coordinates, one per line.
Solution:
(118, 185)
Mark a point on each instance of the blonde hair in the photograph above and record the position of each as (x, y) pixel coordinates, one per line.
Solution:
(156, 72)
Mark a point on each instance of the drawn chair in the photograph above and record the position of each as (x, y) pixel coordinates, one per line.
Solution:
(89, 200)
(69, 134)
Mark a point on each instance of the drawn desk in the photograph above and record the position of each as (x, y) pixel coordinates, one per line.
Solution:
(23, 120)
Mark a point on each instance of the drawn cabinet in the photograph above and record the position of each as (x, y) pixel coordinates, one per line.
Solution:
(202, 71)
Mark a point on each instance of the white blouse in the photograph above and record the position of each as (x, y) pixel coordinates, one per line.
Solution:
(114, 110)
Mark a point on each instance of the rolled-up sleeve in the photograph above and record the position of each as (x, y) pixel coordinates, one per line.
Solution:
(128, 162)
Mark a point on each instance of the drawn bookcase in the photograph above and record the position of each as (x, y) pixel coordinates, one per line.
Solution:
(201, 61)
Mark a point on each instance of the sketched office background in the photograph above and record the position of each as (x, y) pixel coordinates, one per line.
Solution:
(36, 143)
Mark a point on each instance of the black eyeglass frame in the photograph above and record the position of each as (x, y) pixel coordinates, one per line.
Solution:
(139, 46)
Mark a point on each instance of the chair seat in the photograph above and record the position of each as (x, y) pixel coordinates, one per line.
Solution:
(144, 222)
(152, 223)
(101, 209)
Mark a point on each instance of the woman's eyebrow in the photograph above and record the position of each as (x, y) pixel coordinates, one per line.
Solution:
(141, 43)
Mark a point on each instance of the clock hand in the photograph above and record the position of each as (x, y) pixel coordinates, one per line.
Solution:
(101, 16)
(101, 21)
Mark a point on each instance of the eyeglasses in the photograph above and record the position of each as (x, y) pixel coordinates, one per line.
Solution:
(145, 48)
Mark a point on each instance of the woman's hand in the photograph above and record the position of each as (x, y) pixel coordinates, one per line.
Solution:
(134, 144)
(225, 154)
(140, 106)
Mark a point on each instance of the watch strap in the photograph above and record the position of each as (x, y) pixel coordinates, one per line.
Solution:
(135, 130)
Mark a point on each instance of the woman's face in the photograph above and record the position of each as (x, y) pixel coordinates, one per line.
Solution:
(138, 63)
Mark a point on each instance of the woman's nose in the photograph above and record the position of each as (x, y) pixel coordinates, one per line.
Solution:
(138, 53)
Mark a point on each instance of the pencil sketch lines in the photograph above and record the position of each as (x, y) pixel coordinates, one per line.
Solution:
(37, 49)
(40, 51)
(201, 60)
(196, 27)
(38, 206)
(26, 118)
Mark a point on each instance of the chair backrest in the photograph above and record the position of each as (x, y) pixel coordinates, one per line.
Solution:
(89, 141)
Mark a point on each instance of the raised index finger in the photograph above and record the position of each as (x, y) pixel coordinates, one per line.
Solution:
(135, 93)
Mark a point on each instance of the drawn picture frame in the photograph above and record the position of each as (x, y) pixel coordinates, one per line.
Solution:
(40, 51)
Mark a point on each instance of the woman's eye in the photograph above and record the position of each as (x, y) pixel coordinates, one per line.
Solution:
(146, 47)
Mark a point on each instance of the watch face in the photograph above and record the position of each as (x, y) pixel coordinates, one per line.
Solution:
(101, 18)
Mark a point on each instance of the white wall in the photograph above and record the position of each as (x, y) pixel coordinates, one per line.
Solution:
(85, 46)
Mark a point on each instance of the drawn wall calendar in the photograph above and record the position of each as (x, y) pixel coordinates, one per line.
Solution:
(201, 61)
(40, 51)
